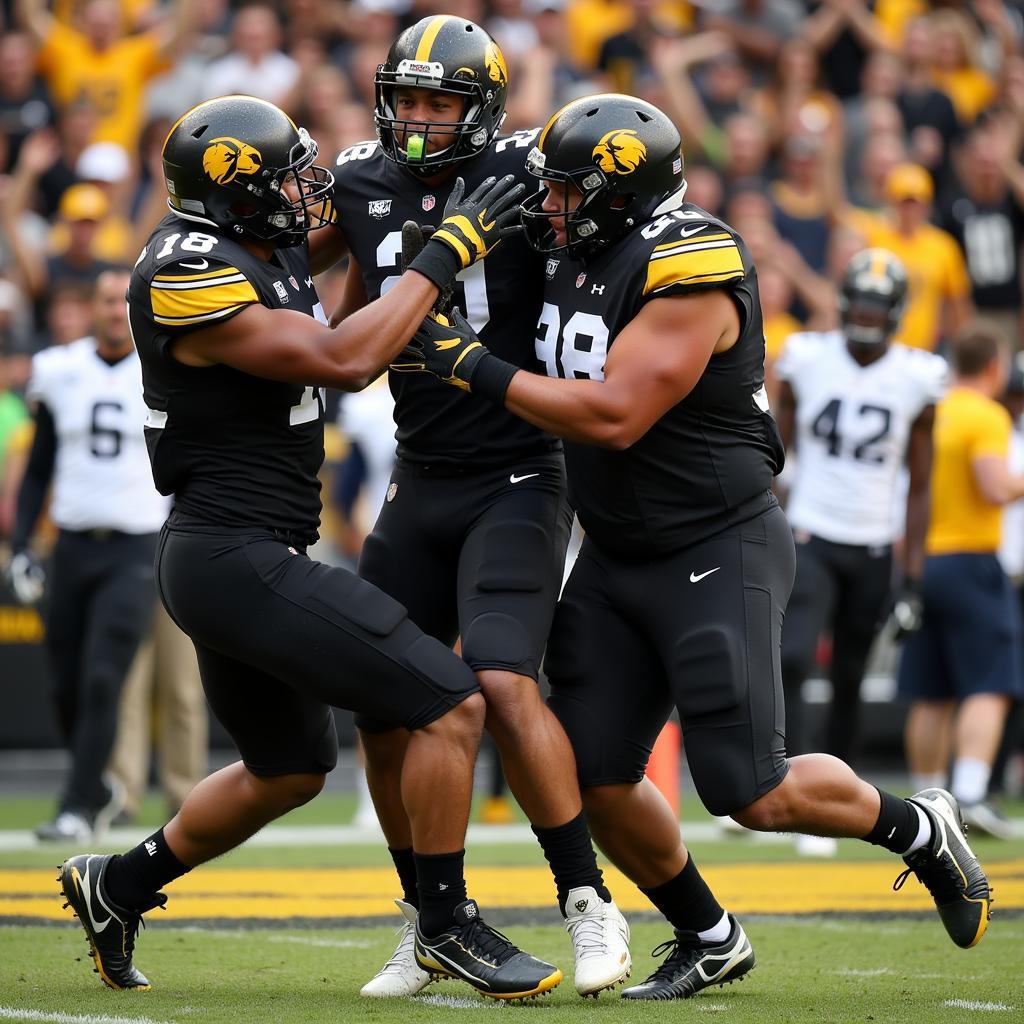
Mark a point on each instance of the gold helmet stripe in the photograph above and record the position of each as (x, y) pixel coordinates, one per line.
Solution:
(554, 117)
(429, 35)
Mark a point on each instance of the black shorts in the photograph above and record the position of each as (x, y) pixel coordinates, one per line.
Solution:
(281, 638)
(699, 630)
(478, 555)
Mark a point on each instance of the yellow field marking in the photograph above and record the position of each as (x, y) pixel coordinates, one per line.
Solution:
(790, 888)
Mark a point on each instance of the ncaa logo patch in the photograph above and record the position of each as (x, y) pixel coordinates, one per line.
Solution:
(378, 208)
(580, 280)
(429, 202)
(392, 491)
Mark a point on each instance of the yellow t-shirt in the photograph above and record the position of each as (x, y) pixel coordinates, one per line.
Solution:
(112, 81)
(968, 426)
(970, 89)
(936, 272)
(777, 328)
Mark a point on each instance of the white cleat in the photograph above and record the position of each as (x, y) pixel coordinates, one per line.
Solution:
(600, 939)
(401, 975)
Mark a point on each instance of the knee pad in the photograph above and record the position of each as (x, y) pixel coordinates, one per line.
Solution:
(496, 640)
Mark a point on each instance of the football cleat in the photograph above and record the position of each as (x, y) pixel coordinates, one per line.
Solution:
(111, 929)
(692, 965)
(401, 975)
(473, 952)
(949, 870)
(600, 939)
(986, 819)
(67, 827)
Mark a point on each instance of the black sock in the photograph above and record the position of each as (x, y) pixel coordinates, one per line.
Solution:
(569, 851)
(686, 900)
(133, 878)
(897, 824)
(405, 865)
(442, 887)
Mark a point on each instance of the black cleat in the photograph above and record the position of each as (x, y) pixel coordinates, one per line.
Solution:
(111, 929)
(949, 870)
(692, 965)
(477, 954)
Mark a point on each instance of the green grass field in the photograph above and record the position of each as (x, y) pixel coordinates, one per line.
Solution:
(894, 965)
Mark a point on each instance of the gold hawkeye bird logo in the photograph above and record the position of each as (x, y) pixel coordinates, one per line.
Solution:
(225, 157)
(494, 60)
(619, 152)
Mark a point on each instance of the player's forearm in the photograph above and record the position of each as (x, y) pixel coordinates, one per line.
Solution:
(373, 336)
(35, 481)
(579, 410)
(918, 512)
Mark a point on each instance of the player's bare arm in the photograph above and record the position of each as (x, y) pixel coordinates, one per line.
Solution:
(354, 296)
(919, 465)
(286, 345)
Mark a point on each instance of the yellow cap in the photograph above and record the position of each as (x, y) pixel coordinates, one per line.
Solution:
(909, 181)
(83, 202)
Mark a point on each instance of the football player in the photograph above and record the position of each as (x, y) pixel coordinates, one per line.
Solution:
(472, 536)
(652, 339)
(857, 407)
(88, 443)
(234, 347)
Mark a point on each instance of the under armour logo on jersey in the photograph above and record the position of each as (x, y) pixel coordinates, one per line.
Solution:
(151, 847)
(309, 282)
(597, 289)
(581, 905)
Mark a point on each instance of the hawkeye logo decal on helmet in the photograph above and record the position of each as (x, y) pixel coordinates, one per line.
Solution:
(226, 157)
(494, 61)
(619, 152)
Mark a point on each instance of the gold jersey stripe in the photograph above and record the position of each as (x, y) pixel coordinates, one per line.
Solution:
(726, 243)
(699, 238)
(180, 321)
(200, 302)
(701, 267)
(428, 37)
(207, 275)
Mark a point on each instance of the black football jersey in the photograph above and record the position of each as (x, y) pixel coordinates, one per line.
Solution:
(500, 296)
(709, 461)
(235, 450)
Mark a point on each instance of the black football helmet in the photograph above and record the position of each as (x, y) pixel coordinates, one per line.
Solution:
(872, 297)
(621, 154)
(450, 55)
(226, 162)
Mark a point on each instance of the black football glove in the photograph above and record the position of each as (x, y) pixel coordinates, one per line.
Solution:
(471, 227)
(448, 348)
(25, 577)
(907, 610)
(414, 238)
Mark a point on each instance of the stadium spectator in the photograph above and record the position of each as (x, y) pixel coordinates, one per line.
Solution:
(844, 33)
(929, 116)
(962, 669)
(956, 70)
(255, 66)
(756, 28)
(984, 212)
(99, 63)
(162, 700)
(804, 199)
(88, 412)
(880, 86)
(940, 299)
(25, 104)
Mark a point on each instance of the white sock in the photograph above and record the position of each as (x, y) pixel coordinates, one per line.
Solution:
(970, 779)
(924, 831)
(927, 780)
(719, 933)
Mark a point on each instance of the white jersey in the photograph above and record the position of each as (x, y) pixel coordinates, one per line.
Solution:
(102, 477)
(852, 429)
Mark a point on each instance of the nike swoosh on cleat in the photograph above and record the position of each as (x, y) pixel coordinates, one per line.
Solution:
(695, 578)
(83, 888)
(513, 479)
(201, 265)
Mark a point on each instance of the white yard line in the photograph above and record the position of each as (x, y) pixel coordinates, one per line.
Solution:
(457, 1002)
(17, 1013)
(973, 1004)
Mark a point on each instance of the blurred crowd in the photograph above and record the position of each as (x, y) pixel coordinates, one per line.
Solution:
(814, 127)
